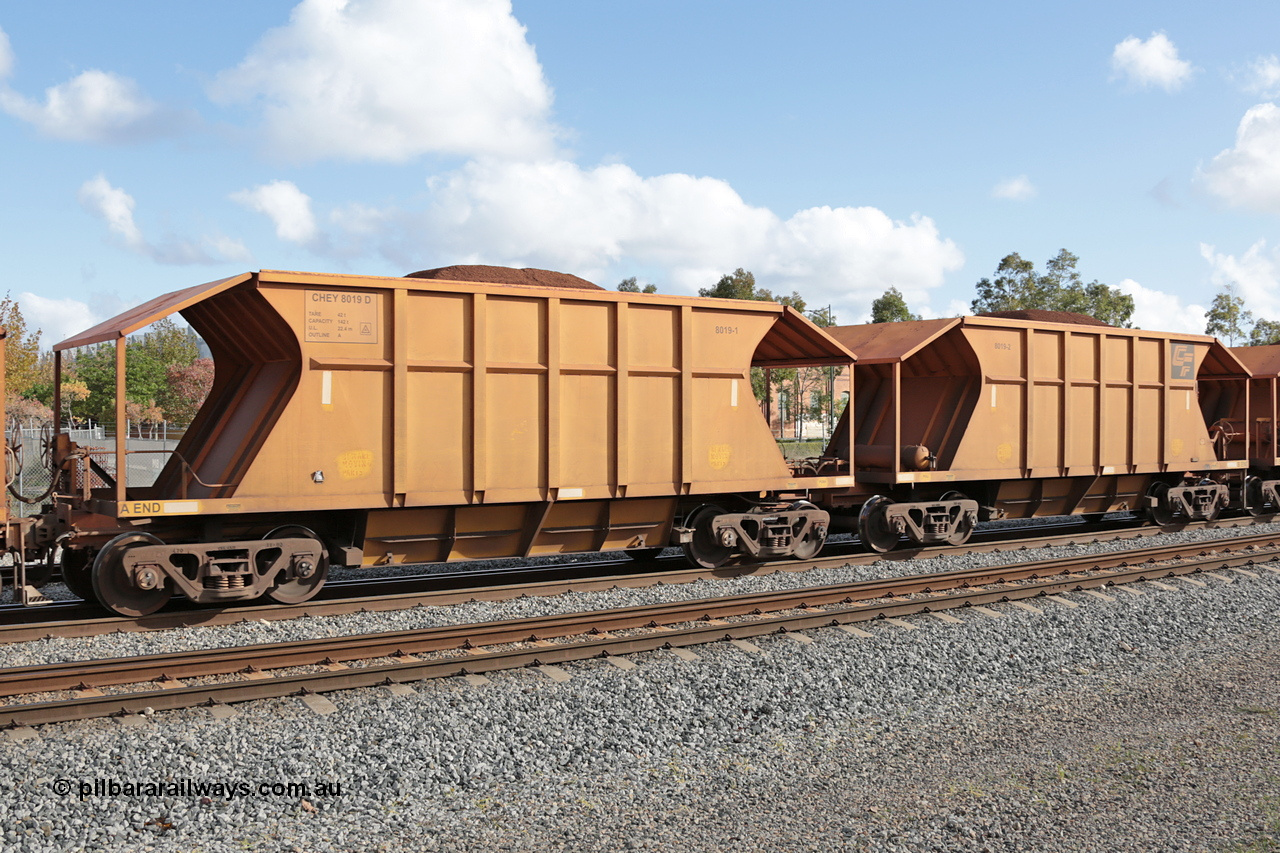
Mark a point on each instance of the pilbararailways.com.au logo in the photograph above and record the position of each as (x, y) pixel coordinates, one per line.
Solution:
(224, 789)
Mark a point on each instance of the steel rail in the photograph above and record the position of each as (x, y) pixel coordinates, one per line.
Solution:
(78, 619)
(860, 601)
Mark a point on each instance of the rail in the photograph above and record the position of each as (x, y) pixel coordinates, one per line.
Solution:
(584, 636)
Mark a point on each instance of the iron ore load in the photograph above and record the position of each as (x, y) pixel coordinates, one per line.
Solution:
(475, 413)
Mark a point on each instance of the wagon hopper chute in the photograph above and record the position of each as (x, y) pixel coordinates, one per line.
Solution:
(365, 420)
(1253, 425)
(965, 419)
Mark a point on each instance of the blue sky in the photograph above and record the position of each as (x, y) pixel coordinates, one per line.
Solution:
(835, 149)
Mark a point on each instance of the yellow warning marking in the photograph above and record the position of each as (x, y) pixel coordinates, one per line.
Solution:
(142, 509)
(718, 455)
(355, 464)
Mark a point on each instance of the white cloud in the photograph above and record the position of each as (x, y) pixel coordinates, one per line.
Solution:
(1262, 77)
(602, 221)
(1153, 62)
(6, 55)
(1014, 189)
(115, 207)
(1155, 309)
(93, 106)
(389, 80)
(287, 206)
(57, 319)
(1255, 274)
(1248, 175)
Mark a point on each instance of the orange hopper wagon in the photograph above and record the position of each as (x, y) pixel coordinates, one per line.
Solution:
(368, 420)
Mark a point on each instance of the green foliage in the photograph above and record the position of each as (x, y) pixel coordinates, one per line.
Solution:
(1265, 333)
(21, 349)
(1227, 317)
(891, 308)
(630, 285)
(798, 393)
(147, 379)
(741, 284)
(1017, 286)
(822, 317)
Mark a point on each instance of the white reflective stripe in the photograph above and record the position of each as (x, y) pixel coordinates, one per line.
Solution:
(569, 493)
(326, 388)
(1188, 401)
(733, 393)
(993, 396)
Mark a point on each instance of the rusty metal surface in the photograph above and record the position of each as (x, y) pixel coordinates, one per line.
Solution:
(75, 619)
(883, 343)
(341, 392)
(1261, 361)
(1057, 413)
(130, 321)
(1257, 426)
(402, 645)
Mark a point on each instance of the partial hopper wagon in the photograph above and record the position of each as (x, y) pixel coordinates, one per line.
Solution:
(955, 421)
(1252, 428)
(371, 421)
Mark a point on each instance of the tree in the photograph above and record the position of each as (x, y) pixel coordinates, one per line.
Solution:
(73, 391)
(147, 361)
(21, 349)
(630, 285)
(1017, 287)
(741, 284)
(1265, 333)
(188, 387)
(891, 308)
(25, 410)
(1226, 317)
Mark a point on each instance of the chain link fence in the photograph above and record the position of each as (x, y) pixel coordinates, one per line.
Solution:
(29, 465)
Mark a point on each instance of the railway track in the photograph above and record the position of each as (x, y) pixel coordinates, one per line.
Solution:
(82, 619)
(394, 658)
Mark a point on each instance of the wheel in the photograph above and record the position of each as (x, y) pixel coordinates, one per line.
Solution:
(14, 459)
(77, 571)
(705, 549)
(643, 553)
(965, 528)
(1216, 509)
(296, 590)
(113, 587)
(809, 547)
(873, 526)
(1162, 512)
(1253, 500)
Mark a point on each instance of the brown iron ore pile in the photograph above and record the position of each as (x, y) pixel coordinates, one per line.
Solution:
(507, 275)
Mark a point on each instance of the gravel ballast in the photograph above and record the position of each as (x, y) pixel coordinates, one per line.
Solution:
(1143, 723)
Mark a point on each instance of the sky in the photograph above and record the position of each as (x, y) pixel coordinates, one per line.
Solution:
(834, 149)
